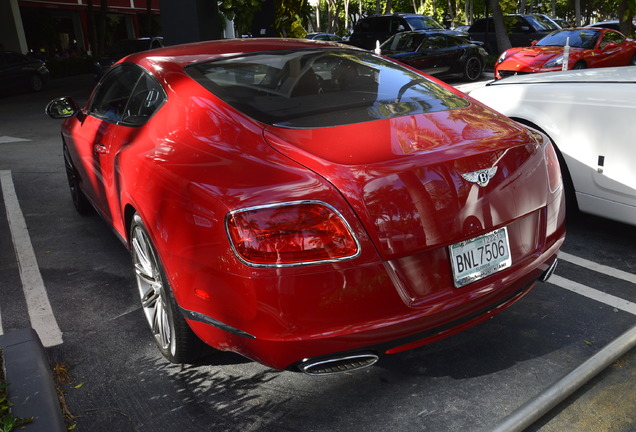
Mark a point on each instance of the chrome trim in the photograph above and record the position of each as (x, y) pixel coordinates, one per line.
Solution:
(289, 203)
(340, 364)
(546, 275)
(198, 316)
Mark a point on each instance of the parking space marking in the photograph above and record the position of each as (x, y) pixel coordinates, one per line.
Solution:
(594, 294)
(40, 312)
(610, 271)
(7, 139)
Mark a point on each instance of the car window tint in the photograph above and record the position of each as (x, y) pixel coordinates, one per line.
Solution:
(576, 38)
(422, 23)
(321, 88)
(146, 98)
(612, 37)
(374, 25)
(542, 23)
(404, 42)
(482, 25)
(111, 96)
(435, 42)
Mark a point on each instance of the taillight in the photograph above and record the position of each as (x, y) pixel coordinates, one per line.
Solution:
(554, 169)
(294, 233)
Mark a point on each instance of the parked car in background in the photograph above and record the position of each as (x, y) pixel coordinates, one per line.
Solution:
(562, 23)
(522, 30)
(439, 53)
(369, 30)
(123, 48)
(21, 72)
(462, 29)
(589, 48)
(610, 24)
(324, 37)
(309, 205)
(589, 116)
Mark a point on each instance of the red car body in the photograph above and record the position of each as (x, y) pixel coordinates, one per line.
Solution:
(589, 48)
(212, 183)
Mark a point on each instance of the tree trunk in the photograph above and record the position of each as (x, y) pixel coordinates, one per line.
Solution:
(503, 41)
(625, 16)
(92, 31)
(577, 12)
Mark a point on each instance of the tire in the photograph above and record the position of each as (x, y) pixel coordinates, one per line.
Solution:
(172, 334)
(80, 202)
(632, 61)
(36, 83)
(579, 65)
(473, 68)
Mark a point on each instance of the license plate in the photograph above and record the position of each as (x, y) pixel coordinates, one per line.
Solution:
(479, 257)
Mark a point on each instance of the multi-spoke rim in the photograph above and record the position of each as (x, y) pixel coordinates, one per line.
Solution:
(151, 287)
(473, 68)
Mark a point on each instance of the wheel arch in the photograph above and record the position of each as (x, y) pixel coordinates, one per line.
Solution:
(570, 194)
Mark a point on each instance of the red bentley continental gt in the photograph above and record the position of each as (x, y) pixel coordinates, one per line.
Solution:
(588, 48)
(310, 205)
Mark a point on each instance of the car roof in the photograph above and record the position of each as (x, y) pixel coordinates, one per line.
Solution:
(622, 74)
(162, 60)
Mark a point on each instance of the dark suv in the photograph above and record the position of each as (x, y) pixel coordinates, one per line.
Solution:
(381, 27)
(522, 30)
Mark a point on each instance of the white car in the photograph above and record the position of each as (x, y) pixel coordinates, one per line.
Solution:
(590, 115)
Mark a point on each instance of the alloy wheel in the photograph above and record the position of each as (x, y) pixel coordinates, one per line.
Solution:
(150, 284)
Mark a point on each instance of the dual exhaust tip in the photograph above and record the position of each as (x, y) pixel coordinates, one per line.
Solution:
(338, 364)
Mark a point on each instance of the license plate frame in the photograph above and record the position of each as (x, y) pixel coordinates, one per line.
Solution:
(479, 257)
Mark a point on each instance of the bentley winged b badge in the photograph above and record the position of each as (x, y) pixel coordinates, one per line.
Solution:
(481, 177)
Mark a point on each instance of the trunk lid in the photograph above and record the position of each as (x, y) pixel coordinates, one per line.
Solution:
(403, 176)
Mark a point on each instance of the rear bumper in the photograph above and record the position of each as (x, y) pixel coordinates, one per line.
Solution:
(415, 328)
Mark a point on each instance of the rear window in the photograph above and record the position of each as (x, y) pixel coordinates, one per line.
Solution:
(423, 23)
(321, 88)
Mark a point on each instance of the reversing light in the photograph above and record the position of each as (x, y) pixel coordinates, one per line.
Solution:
(295, 233)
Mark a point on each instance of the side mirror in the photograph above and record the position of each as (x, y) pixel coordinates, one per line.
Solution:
(534, 42)
(63, 107)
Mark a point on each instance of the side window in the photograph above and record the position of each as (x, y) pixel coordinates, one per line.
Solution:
(111, 97)
(612, 37)
(434, 43)
(146, 98)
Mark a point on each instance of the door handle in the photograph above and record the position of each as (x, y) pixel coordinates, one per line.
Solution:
(100, 148)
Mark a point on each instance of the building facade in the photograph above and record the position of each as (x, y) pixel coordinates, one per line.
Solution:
(74, 27)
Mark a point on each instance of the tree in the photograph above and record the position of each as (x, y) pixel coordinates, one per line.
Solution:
(503, 42)
(626, 10)
(242, 12)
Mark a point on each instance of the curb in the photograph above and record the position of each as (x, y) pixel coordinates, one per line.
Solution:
(32, 390)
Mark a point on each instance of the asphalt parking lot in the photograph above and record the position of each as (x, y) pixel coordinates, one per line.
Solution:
(94, 329)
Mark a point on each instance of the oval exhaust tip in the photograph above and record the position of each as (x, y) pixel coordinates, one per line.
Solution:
(338, 364)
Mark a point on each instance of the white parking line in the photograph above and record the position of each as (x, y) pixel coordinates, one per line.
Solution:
(40, 312)
(600, 268)
(600, 296)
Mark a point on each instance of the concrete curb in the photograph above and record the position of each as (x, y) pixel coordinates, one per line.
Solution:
(32, 389)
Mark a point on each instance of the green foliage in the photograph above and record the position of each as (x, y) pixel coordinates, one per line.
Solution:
(289, 16)
(8, 422)
(241, 11)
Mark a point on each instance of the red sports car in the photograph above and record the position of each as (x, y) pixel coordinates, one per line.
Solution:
(310, 205)
(588, 48)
